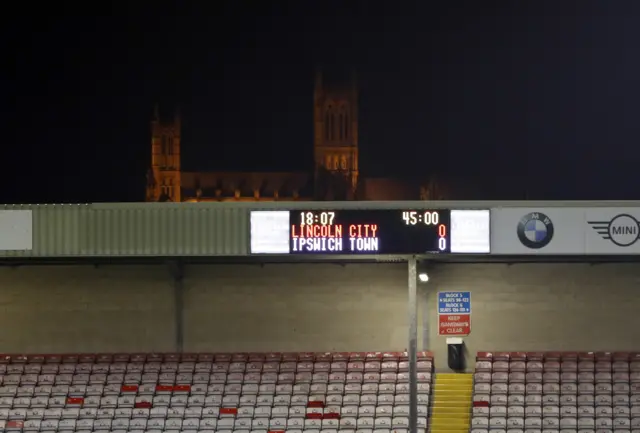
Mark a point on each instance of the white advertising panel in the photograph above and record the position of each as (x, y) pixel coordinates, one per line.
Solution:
(470, 231)
(537, 231)
(576, 231)
(269, 232)
(612, 231)
(16, 230)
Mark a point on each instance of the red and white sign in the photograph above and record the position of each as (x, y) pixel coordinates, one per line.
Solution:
(454, 324)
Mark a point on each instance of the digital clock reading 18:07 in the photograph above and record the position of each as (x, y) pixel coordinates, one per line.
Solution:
(369, 231)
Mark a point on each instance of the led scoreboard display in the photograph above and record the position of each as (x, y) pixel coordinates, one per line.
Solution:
(370, 232)
(380, 231)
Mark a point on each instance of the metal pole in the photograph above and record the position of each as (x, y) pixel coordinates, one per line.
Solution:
(426, 338)
(413, 343)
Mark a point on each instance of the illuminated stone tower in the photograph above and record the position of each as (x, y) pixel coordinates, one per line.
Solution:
(336, 129)
(164, 177)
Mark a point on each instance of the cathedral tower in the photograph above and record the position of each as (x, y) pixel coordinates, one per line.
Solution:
(163, 182)
(336, 128)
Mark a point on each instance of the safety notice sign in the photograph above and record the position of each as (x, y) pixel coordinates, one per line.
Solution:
(454, 313)
(454, 324)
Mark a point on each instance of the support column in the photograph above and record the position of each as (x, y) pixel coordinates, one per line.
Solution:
(426, 336)
(177, 273)
(413, 349)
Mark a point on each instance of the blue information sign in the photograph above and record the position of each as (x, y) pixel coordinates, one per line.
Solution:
(454, 302)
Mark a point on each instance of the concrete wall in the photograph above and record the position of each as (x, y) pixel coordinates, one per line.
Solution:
(57, 309)
(226, 308)
(529, 307)
(315, 307)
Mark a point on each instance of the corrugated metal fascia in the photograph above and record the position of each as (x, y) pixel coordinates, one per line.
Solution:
(56, 229)
(144, 229)
(198, 229)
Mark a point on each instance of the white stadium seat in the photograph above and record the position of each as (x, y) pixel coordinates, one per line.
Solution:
(207, 393)
(553, 392)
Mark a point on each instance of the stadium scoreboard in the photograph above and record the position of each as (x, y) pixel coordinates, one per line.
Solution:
(380, 231)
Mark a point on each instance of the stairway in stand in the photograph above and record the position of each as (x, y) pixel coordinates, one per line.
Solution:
(451, 403)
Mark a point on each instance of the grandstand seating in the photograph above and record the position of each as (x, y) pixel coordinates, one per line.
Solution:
(298, 392)
(555, 392)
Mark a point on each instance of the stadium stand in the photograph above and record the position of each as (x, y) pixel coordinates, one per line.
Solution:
(555, 392)
(297, 392)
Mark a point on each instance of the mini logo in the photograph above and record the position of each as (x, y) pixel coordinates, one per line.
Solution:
(535, 230)
(622, 230)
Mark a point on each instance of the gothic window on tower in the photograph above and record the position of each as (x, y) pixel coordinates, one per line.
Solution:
(327, 124)
(343, 162)
(327, 163)
(340, 123)
(334, 124)
(346, 125)
(335, 162)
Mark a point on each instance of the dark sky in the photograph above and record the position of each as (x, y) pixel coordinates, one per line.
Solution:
(540, 93)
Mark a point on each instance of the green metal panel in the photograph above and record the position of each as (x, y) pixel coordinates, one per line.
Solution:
(164, 230)
(140, 229)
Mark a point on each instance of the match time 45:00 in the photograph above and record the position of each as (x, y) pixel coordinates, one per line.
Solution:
(429, 218)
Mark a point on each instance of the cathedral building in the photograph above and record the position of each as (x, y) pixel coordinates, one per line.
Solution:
(335, 176)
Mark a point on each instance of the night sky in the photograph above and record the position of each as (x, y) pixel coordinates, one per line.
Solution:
(543, 94)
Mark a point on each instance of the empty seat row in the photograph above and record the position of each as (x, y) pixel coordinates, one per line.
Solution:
(557, 399)
(553, 430)
(168, 358)
(556, 377)
(558, 422)
(209, 400)
(274, 424)
(569, 411)
(384, 366)
(217, 388)
(107, 402)
(230, 422)
(207, 378)
(19, 426)
(208, 412)
(186, 429)
(557, 361)
(285, 396)
(213, 400)
(555, 388)
(348, 395)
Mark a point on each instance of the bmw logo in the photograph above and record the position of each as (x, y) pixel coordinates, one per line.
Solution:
(535, 230)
